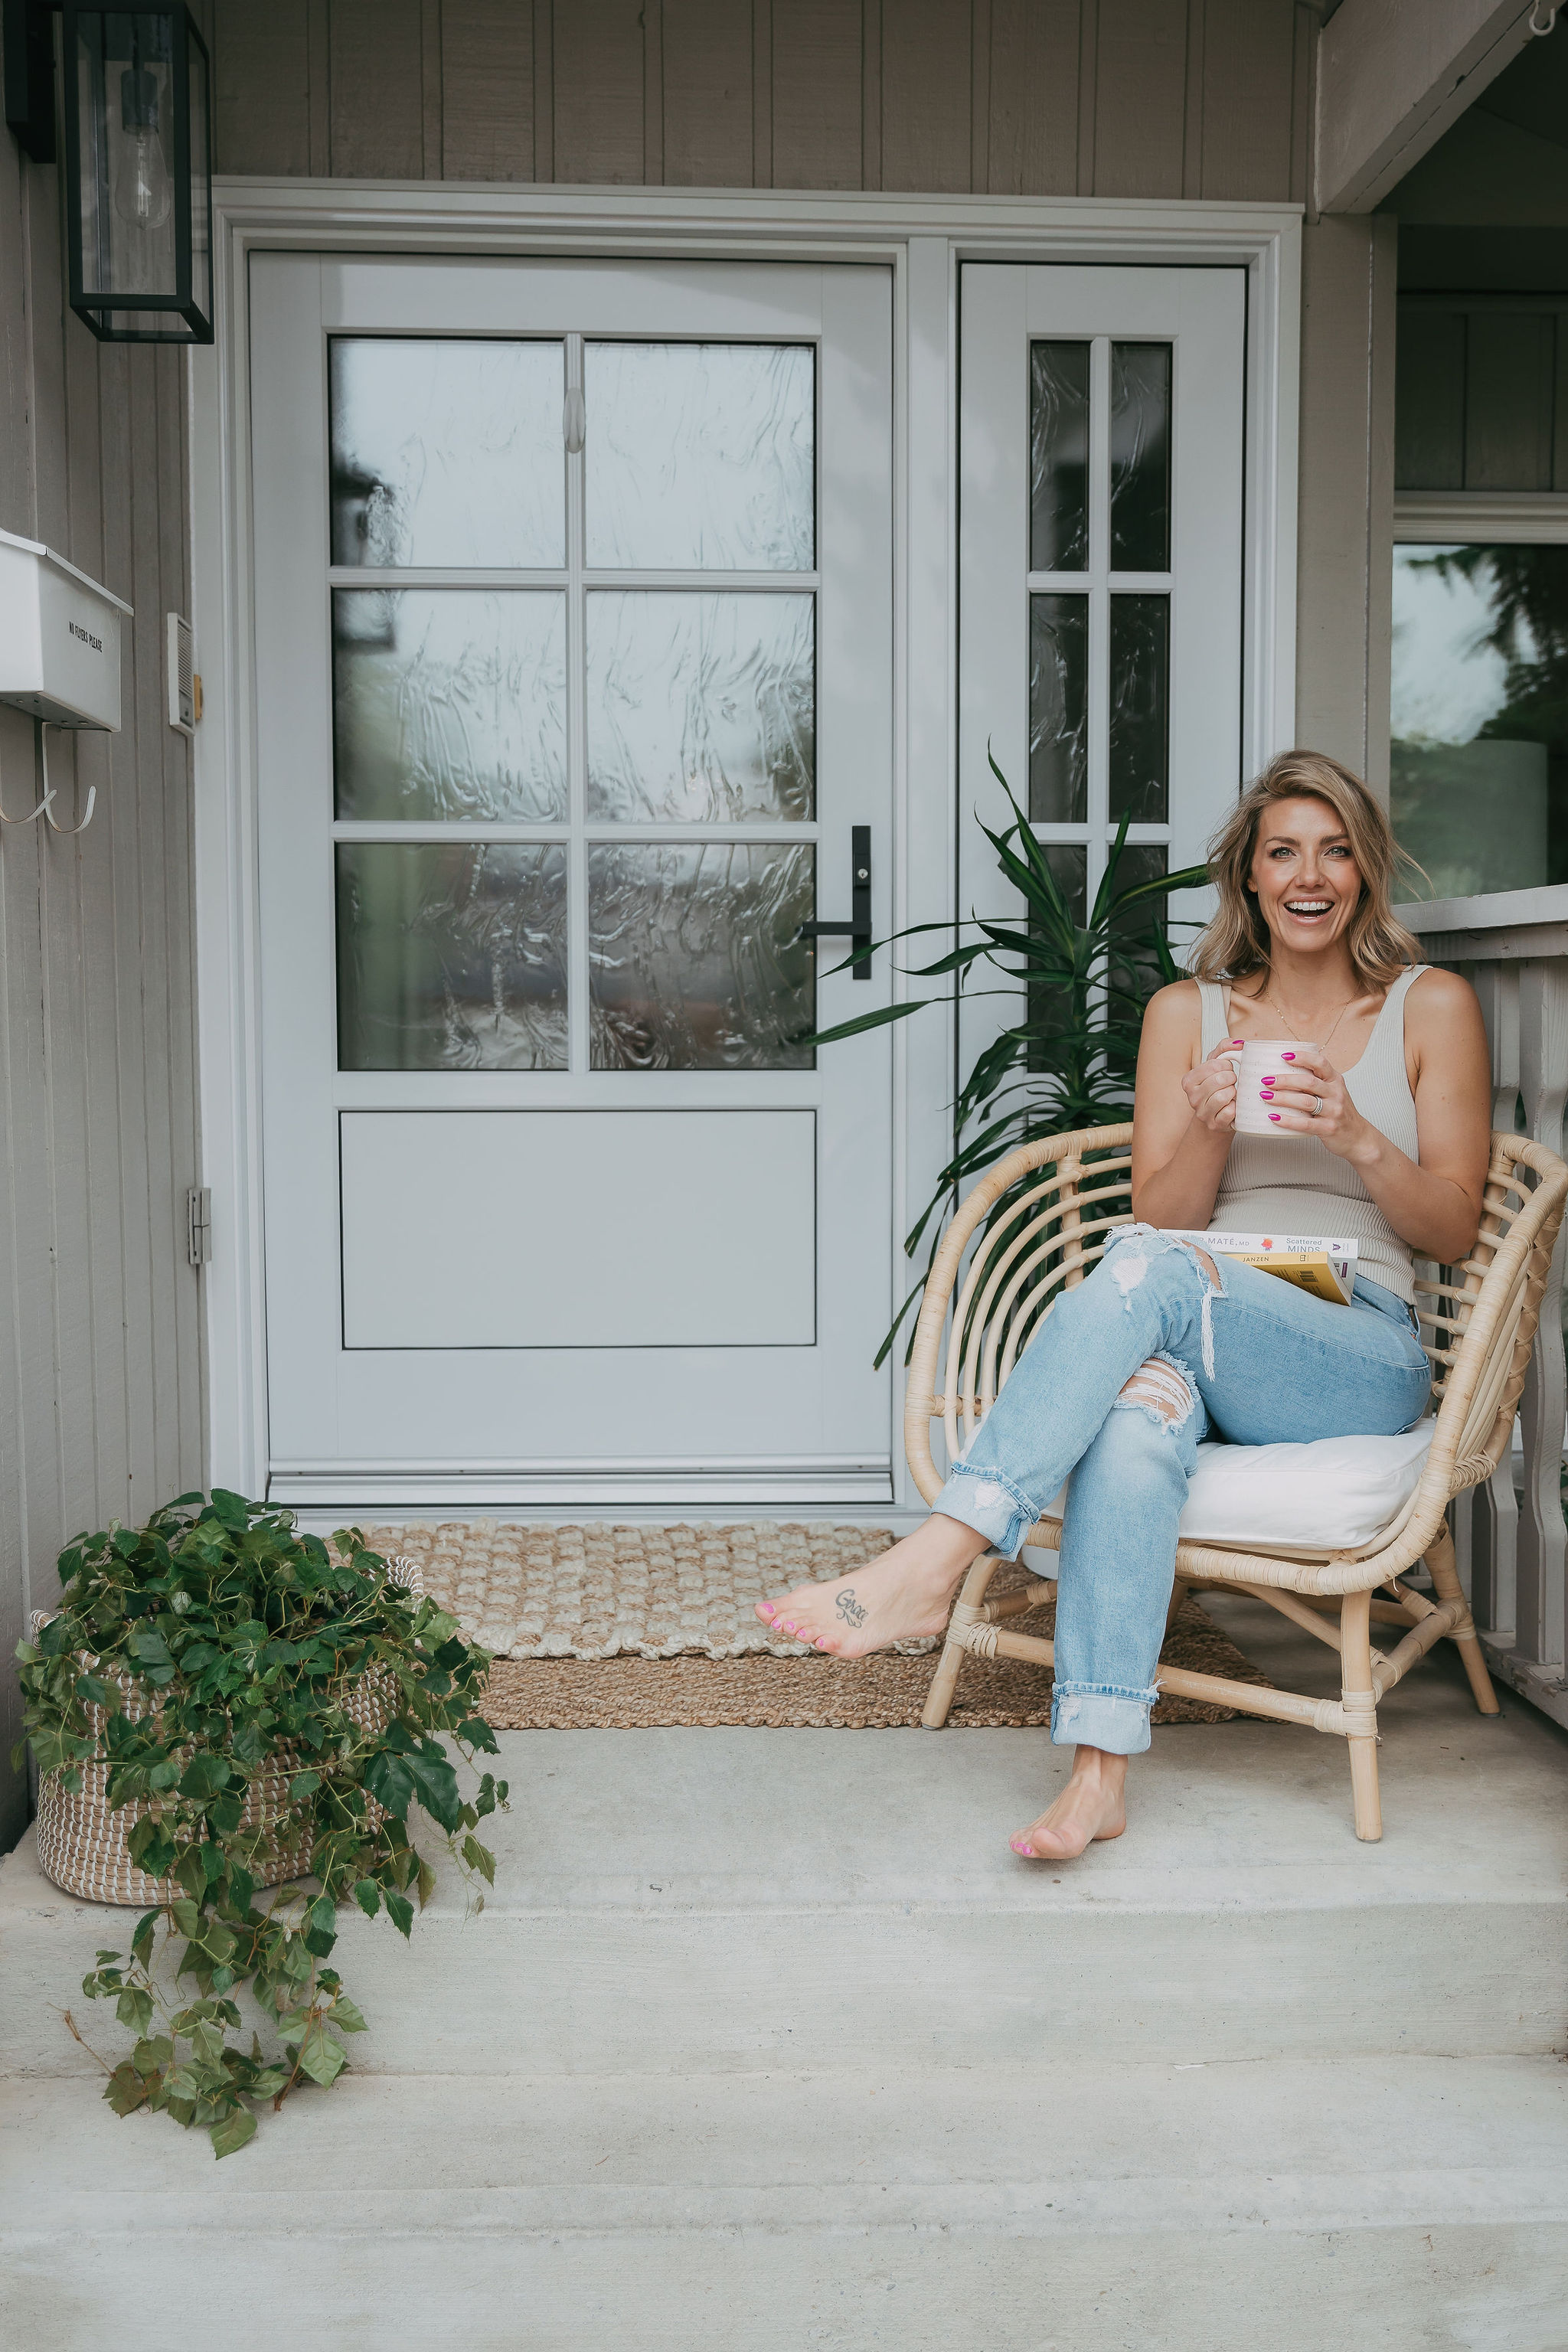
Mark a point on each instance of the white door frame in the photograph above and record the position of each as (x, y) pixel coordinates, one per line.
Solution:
(923, 239)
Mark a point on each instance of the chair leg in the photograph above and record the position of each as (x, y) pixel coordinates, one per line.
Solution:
(1178, 1594)
(1445, 1576)
(939, 1699)
(1356, 1670)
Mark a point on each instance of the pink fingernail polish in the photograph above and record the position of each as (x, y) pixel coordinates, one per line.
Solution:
(1275, 1117)
(1287, 1058)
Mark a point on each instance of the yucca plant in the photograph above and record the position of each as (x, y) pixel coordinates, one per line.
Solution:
(1080, 989)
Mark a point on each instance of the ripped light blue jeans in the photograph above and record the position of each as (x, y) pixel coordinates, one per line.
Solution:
(1128, 1374)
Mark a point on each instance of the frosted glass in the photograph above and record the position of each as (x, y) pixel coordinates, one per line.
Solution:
(1058, 456)
(701, 457)
(449, 703)
(695, 961)
(1139, 739)
(1140, 456)
(701, 708)
(448, 453)
(1058, 709)
(451, 956)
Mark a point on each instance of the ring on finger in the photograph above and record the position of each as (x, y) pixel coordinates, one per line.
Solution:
(1317, 1106)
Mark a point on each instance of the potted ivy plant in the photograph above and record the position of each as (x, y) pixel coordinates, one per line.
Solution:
(257, 1706)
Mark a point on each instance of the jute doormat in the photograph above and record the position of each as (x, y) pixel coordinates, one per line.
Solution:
(591, 1591)
(600, 1627)
(803, 1692)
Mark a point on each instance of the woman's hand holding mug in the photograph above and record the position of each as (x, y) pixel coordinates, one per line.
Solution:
(1211, 1089)
(1305, 1095)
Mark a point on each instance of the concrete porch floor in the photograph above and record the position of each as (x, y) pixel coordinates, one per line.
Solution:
(764, 2039)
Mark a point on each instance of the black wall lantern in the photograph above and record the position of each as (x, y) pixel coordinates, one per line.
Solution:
(137, 92)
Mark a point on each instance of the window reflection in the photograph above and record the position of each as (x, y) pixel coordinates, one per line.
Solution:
(1479, 772)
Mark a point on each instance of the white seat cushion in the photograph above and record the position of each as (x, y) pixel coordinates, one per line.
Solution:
(1336, 1494)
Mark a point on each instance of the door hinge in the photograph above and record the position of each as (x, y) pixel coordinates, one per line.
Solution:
(199, 1223)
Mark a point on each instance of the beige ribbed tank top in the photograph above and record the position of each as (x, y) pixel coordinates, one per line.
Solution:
(1295, 1183)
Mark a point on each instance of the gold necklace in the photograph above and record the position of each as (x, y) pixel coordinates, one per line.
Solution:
(1295, 1032)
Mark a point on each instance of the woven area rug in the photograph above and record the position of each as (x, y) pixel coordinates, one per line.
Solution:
(802, 1692)
(588, 1590)
(598, 1627)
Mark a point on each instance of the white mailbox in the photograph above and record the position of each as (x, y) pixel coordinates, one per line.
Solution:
(59, 639)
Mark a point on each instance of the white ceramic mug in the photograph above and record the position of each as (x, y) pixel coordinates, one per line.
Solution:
(1259, 1058)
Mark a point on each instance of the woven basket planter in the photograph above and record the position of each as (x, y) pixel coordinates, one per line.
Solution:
(83, 1845)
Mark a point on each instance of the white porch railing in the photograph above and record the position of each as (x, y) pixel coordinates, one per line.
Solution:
(1512, 945)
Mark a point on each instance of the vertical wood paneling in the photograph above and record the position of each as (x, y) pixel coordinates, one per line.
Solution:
(487, 89)
(598, 92)
(377, 90)
(183, 1141)
(543, 91)
(431, 158)
(1033, 147)
(871, 92)
(707, 94)
(653, 92)
(1508, 403)
(151, 851)
(1193, 116)
(1117, 98)
(816, 76)
(97, 1308)
(1248, 70)
(927, 64)
(261, 86)
(319, 34)
(1140, 116)
(980, 94)
(1430, 440)
(1088, 94)
(131, 1003)
(761, 94)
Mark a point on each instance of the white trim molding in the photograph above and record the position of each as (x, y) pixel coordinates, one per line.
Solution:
(1465, 518)
(923, 239)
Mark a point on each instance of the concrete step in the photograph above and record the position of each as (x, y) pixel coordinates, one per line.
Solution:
(710, 1899)
(1370, 2204)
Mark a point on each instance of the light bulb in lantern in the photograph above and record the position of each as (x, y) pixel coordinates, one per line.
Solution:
(144, 187)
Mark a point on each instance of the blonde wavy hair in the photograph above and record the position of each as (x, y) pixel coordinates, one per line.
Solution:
(1237, 942)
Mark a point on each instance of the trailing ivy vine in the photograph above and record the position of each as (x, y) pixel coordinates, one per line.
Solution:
(243, 1641)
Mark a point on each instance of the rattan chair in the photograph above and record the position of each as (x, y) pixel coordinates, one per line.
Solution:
(1042, 1217)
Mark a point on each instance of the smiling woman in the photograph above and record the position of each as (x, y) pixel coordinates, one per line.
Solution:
(1374, 1124)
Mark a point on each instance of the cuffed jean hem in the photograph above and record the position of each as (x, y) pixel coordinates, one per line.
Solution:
(1089, 1714)
(991, 1505)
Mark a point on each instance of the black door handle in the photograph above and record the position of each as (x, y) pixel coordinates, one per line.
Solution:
(858, 930)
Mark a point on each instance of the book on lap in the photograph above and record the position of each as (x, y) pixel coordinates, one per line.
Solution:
(1326, 1266)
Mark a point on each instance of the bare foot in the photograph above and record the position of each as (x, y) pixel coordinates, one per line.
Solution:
(903, 1596)
(1092, 1806)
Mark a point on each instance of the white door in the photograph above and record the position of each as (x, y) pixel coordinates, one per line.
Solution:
(1101, 570)
(573, 633)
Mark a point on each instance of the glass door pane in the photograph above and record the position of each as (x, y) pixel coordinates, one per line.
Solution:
(1099, 593)
(555, 941)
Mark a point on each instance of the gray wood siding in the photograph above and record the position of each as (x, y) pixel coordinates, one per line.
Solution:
(1483, 392)
(101, 1369)
(1119, 98)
